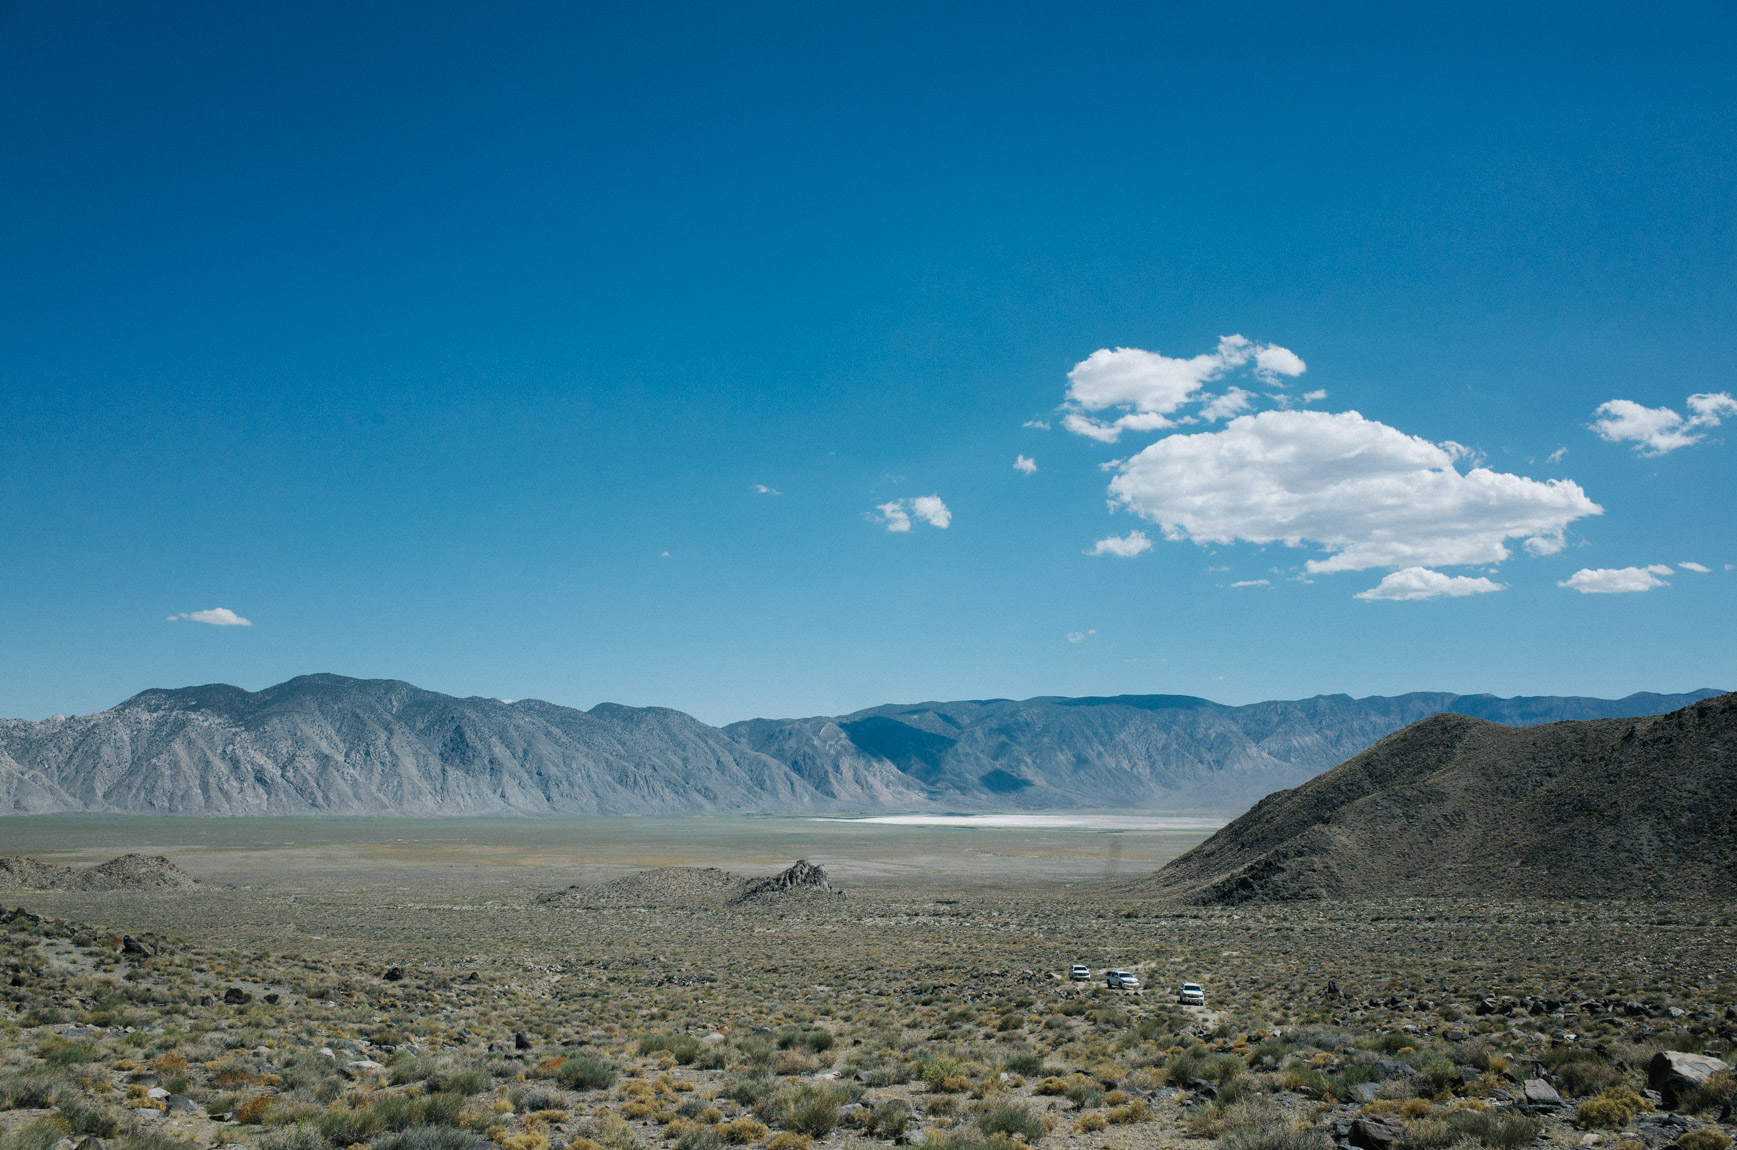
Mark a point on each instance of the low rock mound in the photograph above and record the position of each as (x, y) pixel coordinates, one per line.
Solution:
(128, 872)
(20, 873)
(695, 888)
(683, 887)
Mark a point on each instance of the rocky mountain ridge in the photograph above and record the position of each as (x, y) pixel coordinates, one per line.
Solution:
(1463, 807)
(331, 745)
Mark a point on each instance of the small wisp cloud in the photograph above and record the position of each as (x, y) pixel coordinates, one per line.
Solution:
(1122, 546)
(1616, 580)
(898, 514)
(1657, 430)
(1421, 583)
(215, 616)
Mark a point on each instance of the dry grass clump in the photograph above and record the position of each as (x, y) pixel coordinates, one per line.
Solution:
(1611, 1110)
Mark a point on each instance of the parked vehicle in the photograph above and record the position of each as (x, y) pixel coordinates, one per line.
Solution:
(1120, 980)
(1079, 972)
(1191, 994)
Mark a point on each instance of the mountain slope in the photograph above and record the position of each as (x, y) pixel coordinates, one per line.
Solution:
(1147, 751)
(1461, 806)
(326, 744)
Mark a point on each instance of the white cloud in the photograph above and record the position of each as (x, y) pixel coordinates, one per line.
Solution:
(1616, 580)
(1148, 386)
(764, 490)
(1368, 494)
(1656, 430)
(216, 616)
(1558, 455)
(1125, 546)
(1315, 396)
(1036, 424)
(1422, 583)
(894, 516)
(1696, 568)
(931, 510)
(1272, 361)
(897, 514)
(1234, 401)
(1079, 636)
(1026, 465)
(1253, 583)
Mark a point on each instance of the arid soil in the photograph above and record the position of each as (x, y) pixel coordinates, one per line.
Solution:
(442, 1014)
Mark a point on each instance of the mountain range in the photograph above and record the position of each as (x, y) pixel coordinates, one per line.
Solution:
(1463, 807)
(331, 745)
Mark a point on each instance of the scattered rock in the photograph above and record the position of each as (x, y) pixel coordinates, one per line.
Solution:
(1377, 1133)
(521, 1040)
(394, 974)
(131, 945)
(363, 1066)
(1673, 1071)
(235, 996)
(181, 1104)
(1540, 1093)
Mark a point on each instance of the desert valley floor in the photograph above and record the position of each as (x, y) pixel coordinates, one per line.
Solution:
(400, 985)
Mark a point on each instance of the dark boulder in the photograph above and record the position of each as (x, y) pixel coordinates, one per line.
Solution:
(1672, 1072)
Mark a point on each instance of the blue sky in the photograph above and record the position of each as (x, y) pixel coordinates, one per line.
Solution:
(457, 343)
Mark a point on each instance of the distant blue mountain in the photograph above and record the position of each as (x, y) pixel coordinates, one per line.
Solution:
(331, 745)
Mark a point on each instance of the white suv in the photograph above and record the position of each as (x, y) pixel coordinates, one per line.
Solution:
(1120, 980)
(1191, 995)
(1079, 972)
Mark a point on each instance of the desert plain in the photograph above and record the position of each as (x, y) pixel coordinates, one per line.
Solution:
(401, 984)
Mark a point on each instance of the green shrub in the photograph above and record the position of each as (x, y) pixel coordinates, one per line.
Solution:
(1199, 1062)
(82, 1118)
(812, 1040)
(41, 1134)
(1501, 1131)
(806, 1108)
(890, 1120)
(1083, 1093)
(474, 1081)
(588, 1072)
(699, 1136)
(345, 1127)
(58, 1052)
(750, 1090)
(1028, 1063)
(429, 1138)
(1704, 1140)
(684, 1047)
(298, 1137)
(1011, 1118)
(30, 1091)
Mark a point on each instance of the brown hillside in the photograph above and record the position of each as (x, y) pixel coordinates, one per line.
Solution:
(1459, 806)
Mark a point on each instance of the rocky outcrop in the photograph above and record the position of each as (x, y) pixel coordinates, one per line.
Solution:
(1458, 806)
(803, 876)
